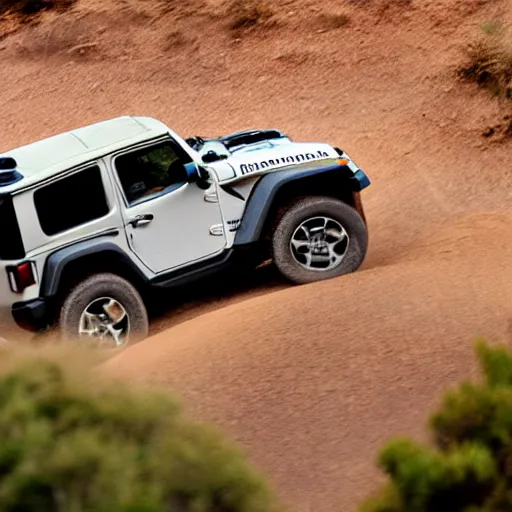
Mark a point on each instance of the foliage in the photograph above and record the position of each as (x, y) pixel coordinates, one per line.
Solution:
(243, 14)
(31, 7)
(490, 59)
(72, 443)
(470, 467)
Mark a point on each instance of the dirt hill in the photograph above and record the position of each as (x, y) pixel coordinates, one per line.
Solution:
(312, 379)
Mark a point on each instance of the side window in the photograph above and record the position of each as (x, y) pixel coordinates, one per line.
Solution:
(151, 172)
(11, 247)
(71, 201)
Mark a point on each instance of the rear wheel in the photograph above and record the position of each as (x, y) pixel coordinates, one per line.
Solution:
(319, 238)
(104, 310)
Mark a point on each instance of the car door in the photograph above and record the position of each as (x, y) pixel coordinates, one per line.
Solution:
(167, 220)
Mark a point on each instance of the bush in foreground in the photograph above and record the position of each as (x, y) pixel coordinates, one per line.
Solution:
(73, 443)
(470, 468)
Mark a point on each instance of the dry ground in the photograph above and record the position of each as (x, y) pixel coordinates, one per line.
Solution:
(312, 379)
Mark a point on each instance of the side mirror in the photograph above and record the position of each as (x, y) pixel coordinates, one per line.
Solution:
(198, 175)
(193, 173)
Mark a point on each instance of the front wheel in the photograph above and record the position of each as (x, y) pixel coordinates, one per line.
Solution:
(104, 310)
(319, 238)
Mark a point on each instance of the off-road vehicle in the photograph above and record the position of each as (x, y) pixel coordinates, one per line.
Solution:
(95, 218)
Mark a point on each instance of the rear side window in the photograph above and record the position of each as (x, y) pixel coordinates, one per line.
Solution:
(11, 243)
(71, 201)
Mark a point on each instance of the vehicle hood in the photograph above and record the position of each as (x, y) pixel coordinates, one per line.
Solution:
(268, 157)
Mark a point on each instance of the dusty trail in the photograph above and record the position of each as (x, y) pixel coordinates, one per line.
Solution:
(311, 380)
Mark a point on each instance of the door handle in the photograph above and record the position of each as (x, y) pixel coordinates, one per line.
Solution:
(141, 220)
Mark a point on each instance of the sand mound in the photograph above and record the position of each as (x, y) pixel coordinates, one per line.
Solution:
(313, 379)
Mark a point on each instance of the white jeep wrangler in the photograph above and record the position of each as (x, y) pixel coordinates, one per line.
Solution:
(94, 219)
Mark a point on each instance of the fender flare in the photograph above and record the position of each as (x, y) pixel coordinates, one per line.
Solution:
(265, 191)
(57, 261)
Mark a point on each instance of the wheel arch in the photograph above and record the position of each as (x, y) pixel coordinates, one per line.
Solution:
(275, 191)
(67, 266)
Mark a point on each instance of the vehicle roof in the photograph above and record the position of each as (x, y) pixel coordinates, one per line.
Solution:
(53, 155)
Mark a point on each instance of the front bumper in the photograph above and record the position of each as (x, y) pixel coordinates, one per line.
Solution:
(31, 315)
(359, 180)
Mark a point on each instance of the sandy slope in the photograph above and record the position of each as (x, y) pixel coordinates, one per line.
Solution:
(311, 380)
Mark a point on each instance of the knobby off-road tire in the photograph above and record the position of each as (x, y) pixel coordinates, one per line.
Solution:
(96, 287)
(318, 207)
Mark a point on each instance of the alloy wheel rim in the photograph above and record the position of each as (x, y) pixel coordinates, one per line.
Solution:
(319, 243)
(106, 322)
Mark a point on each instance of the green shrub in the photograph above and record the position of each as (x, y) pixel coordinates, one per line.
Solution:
(70, 442)
(490, 59)
(470, 467)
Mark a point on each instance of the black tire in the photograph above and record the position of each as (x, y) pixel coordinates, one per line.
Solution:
(304, 209)
(95, 287)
